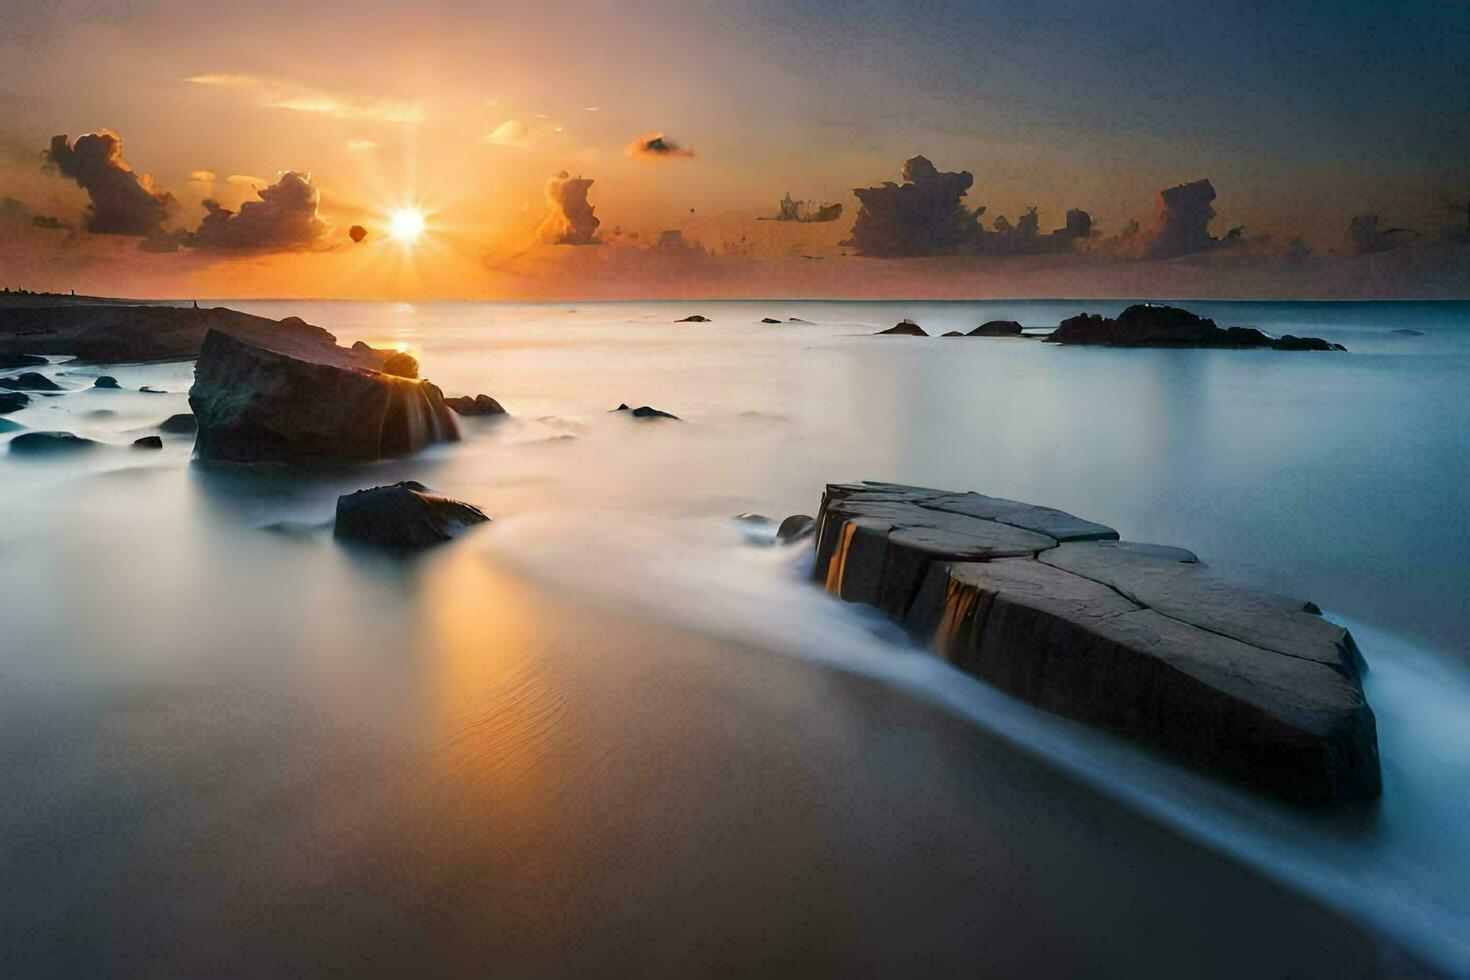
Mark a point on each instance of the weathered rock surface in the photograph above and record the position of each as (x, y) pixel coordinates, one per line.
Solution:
(30, 381)
(106, 381)
(13, 401)
(478, 405)
(257, 404)
(404, 515)
(1139, 639)
(47, 443)
(646, 412)
(180, 424)
(997, 328)
(1144, 325)
(148, 442)
(903, 328)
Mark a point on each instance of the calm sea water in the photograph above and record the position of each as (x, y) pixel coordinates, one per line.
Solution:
(1339, 478)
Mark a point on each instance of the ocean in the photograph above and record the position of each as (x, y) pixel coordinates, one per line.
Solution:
(615, 728)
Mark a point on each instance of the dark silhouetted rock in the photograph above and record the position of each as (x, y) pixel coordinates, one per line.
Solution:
(1139, 639)
(255, 404)
(148, 442)
(404, 515)
(796, 319)
(769, 319)
(646, 412)
(106, 381)
(13, 401)
(30, 381)
(797, 527)
(696, 318)
(401, 365)
(478, 405)
(46, 443)
(1145, 325)
(181, 424)
(997, 328)
(15, 360)
(357, 233)
(951, 333)
(904, 328)
(150, 390)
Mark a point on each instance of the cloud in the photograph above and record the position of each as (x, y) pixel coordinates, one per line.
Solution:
(571, 221)
(123, 202)
(202, 177)
(656, 146)
(512, 132)
(922, 216)
(284, 218)
(16, 212)
(1364, 237)
(246, 180)
(276, 93)
(360, 145)
(1182, 216)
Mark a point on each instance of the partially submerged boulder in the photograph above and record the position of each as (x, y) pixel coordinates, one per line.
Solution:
(797, 527)
(903, 328)
(646, 412)
(180, 424)
(997, 328)
(696, 318)
(106, 381)
(256, 404)
(1146, 325)
(769, 319)
(1140, 639)
(30, 381)
(148, 442)
(478, 405)
(13, 401)
(50, 443)
(403, 515)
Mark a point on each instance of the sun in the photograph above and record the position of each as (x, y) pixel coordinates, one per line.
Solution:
(406, 224)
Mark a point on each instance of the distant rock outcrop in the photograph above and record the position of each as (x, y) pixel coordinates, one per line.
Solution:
(257, 404)
(1138, 639)
(646, 412)
(1144, 325)
(903, 328)
(404, 515)
(696, 318)
(997, 328)
(50, 443)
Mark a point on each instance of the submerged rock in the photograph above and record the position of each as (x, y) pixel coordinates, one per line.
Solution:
(148, 442)
(404, 515)
(13, 401)
(30, 381)
(1145, 325)
(181, 424)
(46, 443)
(150, 390)
(997, 328)
(646, 412)
(10, 360)
(256, 404)
(796, 528)
(478, 405)
(1139, 639)
(696, 318)
(903, 328)
(106, 381)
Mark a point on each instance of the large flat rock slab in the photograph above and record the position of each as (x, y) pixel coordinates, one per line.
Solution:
(1139, 639)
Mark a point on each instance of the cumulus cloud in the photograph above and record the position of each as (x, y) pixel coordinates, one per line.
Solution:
(283, 218)
(657, 146)
(277, 93)
(123, 202)
(1182, 216)
(570, 221)
(16, 212)
(512, 132)
(921, 216)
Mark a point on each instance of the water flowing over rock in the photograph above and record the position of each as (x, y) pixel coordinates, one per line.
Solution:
(257, 404)
(1145, 325)
(1143, 640)
(404, 515)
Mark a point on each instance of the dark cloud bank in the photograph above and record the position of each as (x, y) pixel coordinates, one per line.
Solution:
(123, 201)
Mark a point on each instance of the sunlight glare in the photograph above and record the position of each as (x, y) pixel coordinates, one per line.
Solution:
(406, 224)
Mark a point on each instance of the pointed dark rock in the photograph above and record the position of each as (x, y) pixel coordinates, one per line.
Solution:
(904, 328)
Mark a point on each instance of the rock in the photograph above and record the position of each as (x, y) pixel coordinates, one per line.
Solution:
(150, 390)
(30, 381)
(148, 442)
(401, 365)
(1135, 638)
(696, 318)
(646, 412)
(256, 404)
(6, 425)
(997, 328)
(478, 405)
(47, 443)
(769, 319)
(796, 319)
(15, 360)
(404, 515)
(1145, 325)
(106, 381)
(904, 328)
(181, 424)
(952, 333)
(797, 527)
(13, 401)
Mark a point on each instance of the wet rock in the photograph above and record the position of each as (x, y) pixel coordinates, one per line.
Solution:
(150, 390)
(13, 401)
(1145, 325)
(106, 381)
(797, 527)
(148, 442)
(256, 404)
(696, 318)
(181, 424)
(997, 328)
(904, 328)
(1135, 638)
(478, 405)
(50, 443)
(404, 515)
(646, 412)
(401, 365)
(30, 381)
(769, 319)
(10, 360)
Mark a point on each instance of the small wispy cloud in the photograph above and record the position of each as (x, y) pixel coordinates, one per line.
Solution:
(202, 177)
(276, 93)
(361, 145)
(512, 132)
(246, 180)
